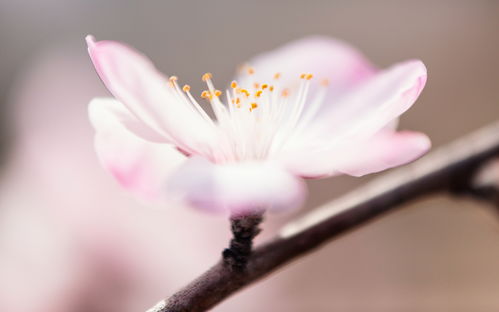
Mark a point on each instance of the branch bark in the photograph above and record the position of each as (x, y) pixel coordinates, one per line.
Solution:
(450, 168)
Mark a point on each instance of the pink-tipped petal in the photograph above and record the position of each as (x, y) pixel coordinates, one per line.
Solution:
(376, 103)
(140, 166)
(382, 151)
(134, 81)
(237, 188)
(326, 58)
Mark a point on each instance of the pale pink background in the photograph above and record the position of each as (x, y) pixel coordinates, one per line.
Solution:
(64, 222)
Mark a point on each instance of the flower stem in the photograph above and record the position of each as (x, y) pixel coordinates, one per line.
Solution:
(244, 229)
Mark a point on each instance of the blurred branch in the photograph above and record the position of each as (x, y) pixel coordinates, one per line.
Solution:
(450, 168)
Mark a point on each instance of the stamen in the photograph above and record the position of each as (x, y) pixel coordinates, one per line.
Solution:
(173, 81)
(233, 84)
(264, 86)
(309, 76)
(217, 93)
(206, 95)
(302, 76)
(207, 77)
(253, 106)
(186, 88)
(258, 93)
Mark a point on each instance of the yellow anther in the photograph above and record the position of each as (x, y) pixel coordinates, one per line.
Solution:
(250, 70)
(264, 86)
(173, 79)
(277, 75)
(246, 92)
(233, 84)
(238, 101)
(258, 93)
(302, 76)
(271, 88)
(207, 76)
(309, 76)
(256, 85)
(205, 94)
(186, 88)
(253, 106)
(285, 92)
(217, 93)
(325, 82)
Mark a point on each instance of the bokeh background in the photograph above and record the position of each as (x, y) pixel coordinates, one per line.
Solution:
(72, 240)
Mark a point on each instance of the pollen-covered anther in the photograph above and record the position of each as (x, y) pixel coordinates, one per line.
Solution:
(253, 106)
(217, 93)
(186, 88)
(206, 77)
(233, 84)
(264, 86)
(271, 88)
(309, 76)
(258, 93)
(173, 81)
(206, 95)
(245, 92)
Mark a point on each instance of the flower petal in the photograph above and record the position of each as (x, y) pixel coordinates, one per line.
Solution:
(374, 104)
(135, 82)
(382, 151)
(324, 57)
(239, 187)
(140, 166)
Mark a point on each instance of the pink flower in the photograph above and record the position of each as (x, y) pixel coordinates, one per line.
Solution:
(313, 108)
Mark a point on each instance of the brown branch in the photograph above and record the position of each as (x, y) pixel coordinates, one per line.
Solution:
(448, 169)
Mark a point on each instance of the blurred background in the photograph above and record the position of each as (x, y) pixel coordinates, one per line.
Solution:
(72, 241)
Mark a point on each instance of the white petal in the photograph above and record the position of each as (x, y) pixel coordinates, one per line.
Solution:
(239, 187)
(140, 166)
(135, 82)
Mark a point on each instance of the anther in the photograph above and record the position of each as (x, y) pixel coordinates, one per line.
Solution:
(250, 70)
(277, 75)
(173, 79)
(256, 85)
(302, 76)
(186, 88)
(264, 86)
(205, 94)
(285, 92)
(217, 93)
(233, 84)
(309, 76)
(253, 106)
(207, 76)
(258, 93)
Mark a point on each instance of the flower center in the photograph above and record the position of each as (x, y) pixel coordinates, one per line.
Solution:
(259, 117)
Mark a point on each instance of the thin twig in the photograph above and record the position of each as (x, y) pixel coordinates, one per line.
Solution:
(448, 169)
